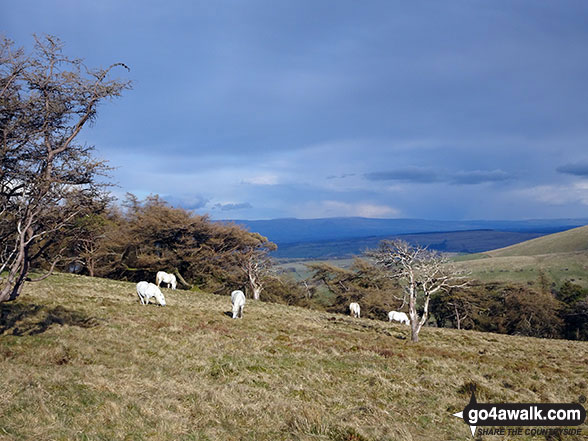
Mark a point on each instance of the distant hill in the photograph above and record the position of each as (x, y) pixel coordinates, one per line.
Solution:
(568, 241)
(282, 231)
(342, 237)
(451, 242)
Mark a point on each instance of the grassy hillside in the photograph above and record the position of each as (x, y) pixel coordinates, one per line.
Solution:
(560, 256)
(568, 241)
(558, 267)
(81, 359)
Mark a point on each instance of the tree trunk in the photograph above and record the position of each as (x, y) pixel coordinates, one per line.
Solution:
(256, 292)
(18, 270)
(15, 280)
(181, 279)
(457, 317)
(255, 286)
(412, 312)
(12, 289)
(414, 331)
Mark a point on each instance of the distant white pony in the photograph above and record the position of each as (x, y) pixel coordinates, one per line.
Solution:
(238, 302)
(400, 317)
(146, 290)
(354, 309)
(169, 279)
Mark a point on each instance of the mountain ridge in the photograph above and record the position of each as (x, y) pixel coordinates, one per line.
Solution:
(292, 230)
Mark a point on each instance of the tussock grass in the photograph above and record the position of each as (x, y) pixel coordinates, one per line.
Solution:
(81, 359)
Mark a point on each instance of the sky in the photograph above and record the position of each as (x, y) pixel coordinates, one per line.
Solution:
(260, 109)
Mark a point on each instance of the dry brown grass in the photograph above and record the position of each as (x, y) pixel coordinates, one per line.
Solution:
(81, 359)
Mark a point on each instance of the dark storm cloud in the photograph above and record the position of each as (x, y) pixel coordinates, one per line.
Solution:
(236, 92)
(410, 174)
(343, 176)
(417, 175)
(577, 169)
(479, 177)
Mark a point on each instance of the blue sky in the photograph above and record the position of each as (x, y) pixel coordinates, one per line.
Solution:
(254, 109)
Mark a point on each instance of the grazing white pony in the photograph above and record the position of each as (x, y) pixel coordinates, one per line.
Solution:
(146, 290)
(169, 279)
(354, 309)
(238, 302)
(400, 317)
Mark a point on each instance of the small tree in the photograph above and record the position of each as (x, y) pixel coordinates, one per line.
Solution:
(46, 178)
(421, 272)
(256, 263)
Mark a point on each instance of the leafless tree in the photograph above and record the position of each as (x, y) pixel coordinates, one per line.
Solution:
(421, 272)
(46, 177)
(256, 263)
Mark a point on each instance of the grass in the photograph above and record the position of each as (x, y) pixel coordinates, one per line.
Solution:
(568, 241)
(557, 267)
(560, 257)
(81, 359)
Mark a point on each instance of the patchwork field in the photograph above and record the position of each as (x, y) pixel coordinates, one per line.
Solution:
(81, 359)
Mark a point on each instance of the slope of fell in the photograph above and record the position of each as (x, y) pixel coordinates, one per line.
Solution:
(569, 241)
(81, 359)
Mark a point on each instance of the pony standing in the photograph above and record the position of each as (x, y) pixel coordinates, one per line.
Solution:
(169, 279)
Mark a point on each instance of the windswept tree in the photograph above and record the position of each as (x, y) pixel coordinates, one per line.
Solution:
(361, 282)
(47, 178)
(153, 236)
(421, 272)
(256, 263)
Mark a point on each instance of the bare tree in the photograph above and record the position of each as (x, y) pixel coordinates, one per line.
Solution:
(256, 264)
(46, 178)
(421, 272)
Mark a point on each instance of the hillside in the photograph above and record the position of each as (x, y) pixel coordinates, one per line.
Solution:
(561, 257)
(569, 241)
(83, 360)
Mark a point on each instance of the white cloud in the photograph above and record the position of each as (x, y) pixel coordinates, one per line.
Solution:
(342, 209)
(262, 180)
(558, 194)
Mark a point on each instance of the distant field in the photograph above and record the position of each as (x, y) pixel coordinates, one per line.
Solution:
(81, 359)
(299, 269)
(451, 242)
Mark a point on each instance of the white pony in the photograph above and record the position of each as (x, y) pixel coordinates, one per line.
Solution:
(238, 302)
(400, 317)
(146, 290)
(354, 309)
(169, 279)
